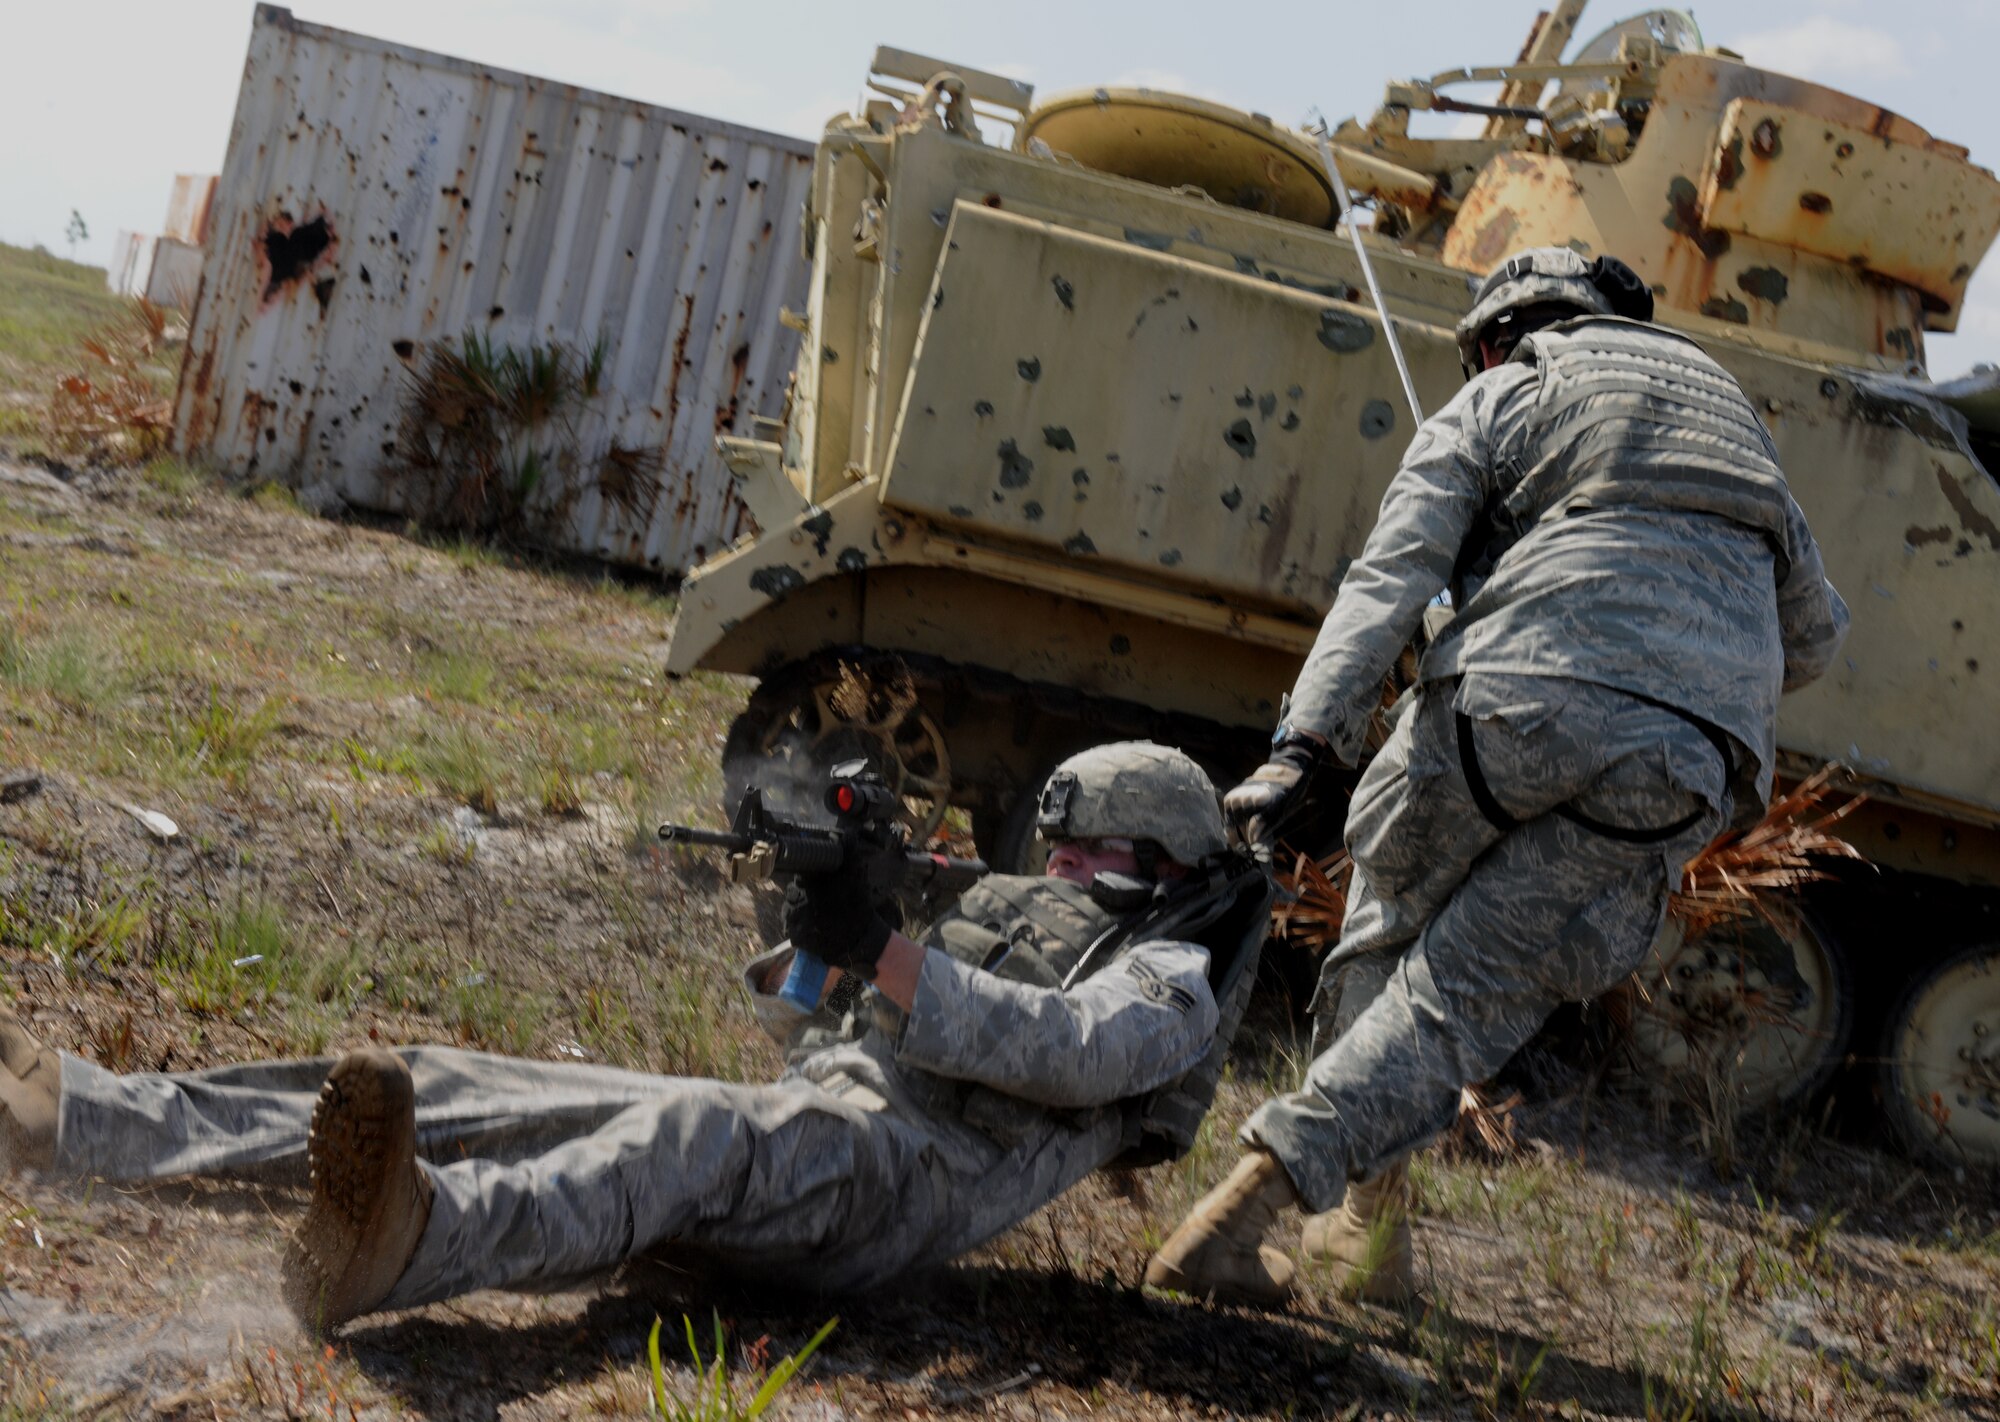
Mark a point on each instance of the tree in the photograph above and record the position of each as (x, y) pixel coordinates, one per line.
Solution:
(77, 231)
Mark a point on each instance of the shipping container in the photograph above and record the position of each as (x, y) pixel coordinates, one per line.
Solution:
(379, 203)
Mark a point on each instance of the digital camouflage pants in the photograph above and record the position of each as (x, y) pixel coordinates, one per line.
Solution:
(547, 1173)
(1461, 938)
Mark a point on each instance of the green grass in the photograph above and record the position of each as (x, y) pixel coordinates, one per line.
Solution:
(46, 305)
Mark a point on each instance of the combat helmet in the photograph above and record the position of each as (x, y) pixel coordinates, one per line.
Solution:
(1548, 281)
(1134, 790)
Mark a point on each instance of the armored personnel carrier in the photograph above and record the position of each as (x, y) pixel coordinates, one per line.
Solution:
(1094, 409)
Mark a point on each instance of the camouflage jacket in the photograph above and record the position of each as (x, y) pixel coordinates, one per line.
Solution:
(1607, 508)
(995, 1046)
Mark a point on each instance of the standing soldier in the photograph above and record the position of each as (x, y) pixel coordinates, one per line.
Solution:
(1634, 587)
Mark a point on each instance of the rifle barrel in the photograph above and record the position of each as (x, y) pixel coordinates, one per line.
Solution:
(709, 839)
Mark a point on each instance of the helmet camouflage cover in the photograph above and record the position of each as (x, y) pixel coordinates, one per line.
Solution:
(1134, 790)
(1537, 277)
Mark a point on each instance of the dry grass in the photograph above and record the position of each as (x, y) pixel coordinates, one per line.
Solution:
(311, 703)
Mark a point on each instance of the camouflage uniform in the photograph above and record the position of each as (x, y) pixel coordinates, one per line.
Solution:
(1627, 565)
(890, 1142)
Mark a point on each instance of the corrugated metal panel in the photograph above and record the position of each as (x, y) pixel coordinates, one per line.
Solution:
(188, 207)
(452, 197)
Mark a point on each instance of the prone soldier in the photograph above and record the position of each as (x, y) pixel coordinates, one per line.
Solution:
(1042, 1028)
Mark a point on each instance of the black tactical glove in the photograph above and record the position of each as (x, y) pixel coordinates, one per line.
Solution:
(844, 918)
(1263, 805)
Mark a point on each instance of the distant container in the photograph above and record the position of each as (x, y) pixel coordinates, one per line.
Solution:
(188, 208)
(377, 200)
(131, 264)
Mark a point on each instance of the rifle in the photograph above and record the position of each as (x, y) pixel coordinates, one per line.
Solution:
(865, 830)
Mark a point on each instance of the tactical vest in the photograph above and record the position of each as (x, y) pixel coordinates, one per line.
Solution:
(1629, 414)
(1036, 930)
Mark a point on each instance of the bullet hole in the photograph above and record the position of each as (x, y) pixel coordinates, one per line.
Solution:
(1241, 438)
(1684, 217)
(1030, 369)
(1829, 387)
(496, 313)
(1764, 283)
(1171, 558)
(1065, 292)
(960, 511)
(1846, 150)
(1957, 624)
(776, 580)
(937, 297)
(1079, 544)
(394, 238)
(1232, 498)
(1120, 644)
(1378, 417)
(828, 355)
(1295, 392)
(851, 560)
(323, 293)
(1111, 458)
(1191, 324)
(1726, 308)
(1267, 404)
(366, 280)
(1818, 203)
(1246, 399)
(1344, 334)
(296, 387)
(1031, 511)
(1291, 420)
(1058, 437)
(292, 253)
(1015, 468)
(1764, 139)
(1972, 664)
(982, 409)
(1080, 477)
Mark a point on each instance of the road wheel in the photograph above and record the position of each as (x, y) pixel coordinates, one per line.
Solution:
(1746, 1015)
(1941, 1062)
(804, 721)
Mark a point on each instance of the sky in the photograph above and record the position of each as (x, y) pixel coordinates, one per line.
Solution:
(116, 96)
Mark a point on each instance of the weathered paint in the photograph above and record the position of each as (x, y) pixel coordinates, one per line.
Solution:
(1229, 424)
(377, 199)
(1751, 199)
(190, 204)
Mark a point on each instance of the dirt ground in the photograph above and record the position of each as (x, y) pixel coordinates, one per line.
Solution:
(413, 784)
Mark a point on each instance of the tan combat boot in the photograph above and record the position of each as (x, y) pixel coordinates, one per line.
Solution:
(1368, 1236)
(30, 1090)
(1219, 1248)
(370, 1201)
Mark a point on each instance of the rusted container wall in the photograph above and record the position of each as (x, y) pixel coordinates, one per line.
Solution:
(378, 199)
(188, 206)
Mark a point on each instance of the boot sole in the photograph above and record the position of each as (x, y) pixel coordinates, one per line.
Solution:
(359, 1105)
